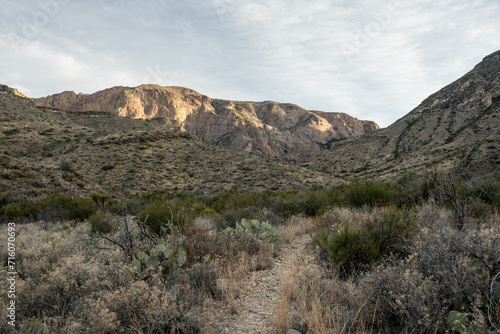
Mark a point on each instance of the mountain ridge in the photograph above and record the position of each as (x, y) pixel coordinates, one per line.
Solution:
(46, 150)
(453, 130)
(282, 131)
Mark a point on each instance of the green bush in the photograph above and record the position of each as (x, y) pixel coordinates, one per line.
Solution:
(162, 217)
(369, 193)
(408, 189)
(102, 223)
(55, 207)
(11, 212)
(62, 207)
(352, 247)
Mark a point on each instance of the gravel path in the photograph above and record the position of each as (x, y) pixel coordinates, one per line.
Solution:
(256, 308)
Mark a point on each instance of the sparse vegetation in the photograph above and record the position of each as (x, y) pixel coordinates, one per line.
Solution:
(124, 234)
(384, 269)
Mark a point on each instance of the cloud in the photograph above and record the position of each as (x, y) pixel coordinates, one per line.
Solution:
(373, 59)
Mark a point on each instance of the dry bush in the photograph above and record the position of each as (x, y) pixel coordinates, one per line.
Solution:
(297, 226)
(203, 244)
(442, 286)
(313, 301)
(403, 300)
(449, 271)
(71, 280)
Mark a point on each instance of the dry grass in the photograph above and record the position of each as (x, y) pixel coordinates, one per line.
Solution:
(307, 293)
(296, 227)
(71, 282)
(68, 280)
(449, 270)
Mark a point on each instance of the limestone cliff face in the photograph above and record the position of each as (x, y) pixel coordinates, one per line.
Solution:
(285, 132)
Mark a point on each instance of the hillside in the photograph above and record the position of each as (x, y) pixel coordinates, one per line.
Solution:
(454, 130)
(285, 132)
(43, 151)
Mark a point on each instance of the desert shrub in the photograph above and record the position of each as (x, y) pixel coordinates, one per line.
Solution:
(62, 207)
(12, 212)
(464, 260)
(353, 246)
(403, 300)
(102, 223)
(314, 202)
(205, 244)
(486, 188)
(162, 217)
(293, 202)
(66, 166)
(409, 189)
(64, 286)
(447, 277)
(203, 277)
(150, 307)
(369, 193)
(440, 284)
(208, 213)
(477, 208)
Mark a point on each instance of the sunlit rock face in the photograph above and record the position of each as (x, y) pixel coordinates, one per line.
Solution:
(281, 131)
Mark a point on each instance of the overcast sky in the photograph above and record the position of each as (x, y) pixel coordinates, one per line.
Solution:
(372, 59)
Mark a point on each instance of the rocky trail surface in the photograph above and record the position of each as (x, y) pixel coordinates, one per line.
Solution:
(256, 309)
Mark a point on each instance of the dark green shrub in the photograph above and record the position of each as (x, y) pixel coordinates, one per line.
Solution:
(211, 213)
(162, 217)
(408, 190)
(102, 223)
(345, 248)
(62, 207)
(284, 203)
(381, 232)
(22, 209)
(486, 188)
(66, 166)
(107, 167)
(369, 193)
(11, 212)
(314, 202)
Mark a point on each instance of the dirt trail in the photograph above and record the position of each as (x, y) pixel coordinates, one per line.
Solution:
(256, 309)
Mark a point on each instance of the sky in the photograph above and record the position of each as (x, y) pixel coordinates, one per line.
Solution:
(372, 59)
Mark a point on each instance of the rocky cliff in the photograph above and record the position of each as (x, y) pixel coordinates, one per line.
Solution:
(45, 150)
(281, 131)
(456, 129)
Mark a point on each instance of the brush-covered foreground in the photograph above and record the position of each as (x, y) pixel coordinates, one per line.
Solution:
(421, 255)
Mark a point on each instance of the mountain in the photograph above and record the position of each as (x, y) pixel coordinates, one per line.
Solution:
(44, 150)
(281, 131)
(454, 130)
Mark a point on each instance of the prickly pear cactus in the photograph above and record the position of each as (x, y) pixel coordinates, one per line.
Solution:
(158, 256)
(262, 230)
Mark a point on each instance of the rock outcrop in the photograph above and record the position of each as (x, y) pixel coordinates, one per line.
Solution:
(281, 131)
(8, 90)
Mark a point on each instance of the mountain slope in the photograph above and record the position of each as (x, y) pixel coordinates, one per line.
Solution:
(456, 129)
(285, 132)
(43, 151)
